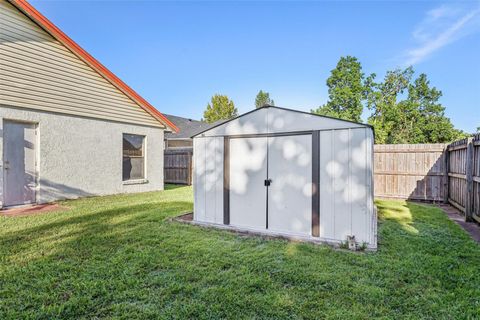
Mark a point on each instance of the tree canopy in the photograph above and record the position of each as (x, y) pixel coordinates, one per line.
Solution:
(409, 111)
(220, 108)
(262, 99)
(347, 88)
(403, 109)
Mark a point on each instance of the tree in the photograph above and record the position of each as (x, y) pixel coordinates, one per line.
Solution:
(433, 124)
(386, 112)
(418, 118)
(220, 108)
(263, 99)
(347, 89)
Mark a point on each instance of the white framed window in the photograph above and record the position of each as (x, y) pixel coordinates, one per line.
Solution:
(133, 157)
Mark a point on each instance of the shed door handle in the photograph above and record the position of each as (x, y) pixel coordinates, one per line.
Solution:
(267, 182)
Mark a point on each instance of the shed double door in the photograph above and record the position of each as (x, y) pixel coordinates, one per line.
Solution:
(271, 183)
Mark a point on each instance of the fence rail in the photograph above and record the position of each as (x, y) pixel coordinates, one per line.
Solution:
(178, 166)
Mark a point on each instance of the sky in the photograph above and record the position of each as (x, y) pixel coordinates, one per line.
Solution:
(178, 54)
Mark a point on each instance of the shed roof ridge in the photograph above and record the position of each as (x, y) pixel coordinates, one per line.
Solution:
(284, 109)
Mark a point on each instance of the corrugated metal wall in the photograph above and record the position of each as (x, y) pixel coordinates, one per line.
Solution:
(346, 201)
(208, 179)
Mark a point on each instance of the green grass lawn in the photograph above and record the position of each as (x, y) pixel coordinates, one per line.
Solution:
(120, 257)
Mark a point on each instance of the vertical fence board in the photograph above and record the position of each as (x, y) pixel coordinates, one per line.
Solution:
(476, 177)
(457, 174)
(469, 182)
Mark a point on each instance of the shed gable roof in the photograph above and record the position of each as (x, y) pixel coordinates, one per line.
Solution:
(27, 9)
(272, 119)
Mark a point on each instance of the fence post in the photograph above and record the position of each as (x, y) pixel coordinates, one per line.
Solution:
(469, 174)
(446, 181)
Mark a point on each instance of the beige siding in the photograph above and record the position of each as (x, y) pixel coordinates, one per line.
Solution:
(37, 72)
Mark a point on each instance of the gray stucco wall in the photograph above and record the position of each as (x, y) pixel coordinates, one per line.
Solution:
(80, 157)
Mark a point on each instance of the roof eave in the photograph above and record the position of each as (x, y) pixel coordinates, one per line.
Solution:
(59, 35)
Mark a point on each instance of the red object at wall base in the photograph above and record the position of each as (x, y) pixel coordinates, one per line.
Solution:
(31, 209)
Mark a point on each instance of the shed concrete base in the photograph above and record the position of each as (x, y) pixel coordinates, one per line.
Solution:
(188, 218)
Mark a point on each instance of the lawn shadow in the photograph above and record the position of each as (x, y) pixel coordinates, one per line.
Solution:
(106, 227)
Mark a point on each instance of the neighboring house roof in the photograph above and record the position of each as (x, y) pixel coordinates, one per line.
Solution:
(188, 127)
(58, 34)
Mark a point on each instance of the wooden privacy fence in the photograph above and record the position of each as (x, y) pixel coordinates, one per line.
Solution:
(178, 166)
(410, 171)
(463, 169)
(432, 172)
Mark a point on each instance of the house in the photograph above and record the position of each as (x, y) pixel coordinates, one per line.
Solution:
(187, 129)
(278, 171)
(68, 126)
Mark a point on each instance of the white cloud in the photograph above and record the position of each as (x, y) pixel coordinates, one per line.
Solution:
(439, 12)
(440, 27)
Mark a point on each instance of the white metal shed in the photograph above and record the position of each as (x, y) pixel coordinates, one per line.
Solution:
(284, 172)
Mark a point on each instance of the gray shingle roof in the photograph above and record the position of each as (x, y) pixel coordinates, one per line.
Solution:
(188, 127)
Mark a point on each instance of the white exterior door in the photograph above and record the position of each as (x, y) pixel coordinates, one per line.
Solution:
(290, 190)
(19, 163)
(248, 171)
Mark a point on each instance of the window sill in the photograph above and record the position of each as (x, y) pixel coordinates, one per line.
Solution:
(137, 181)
